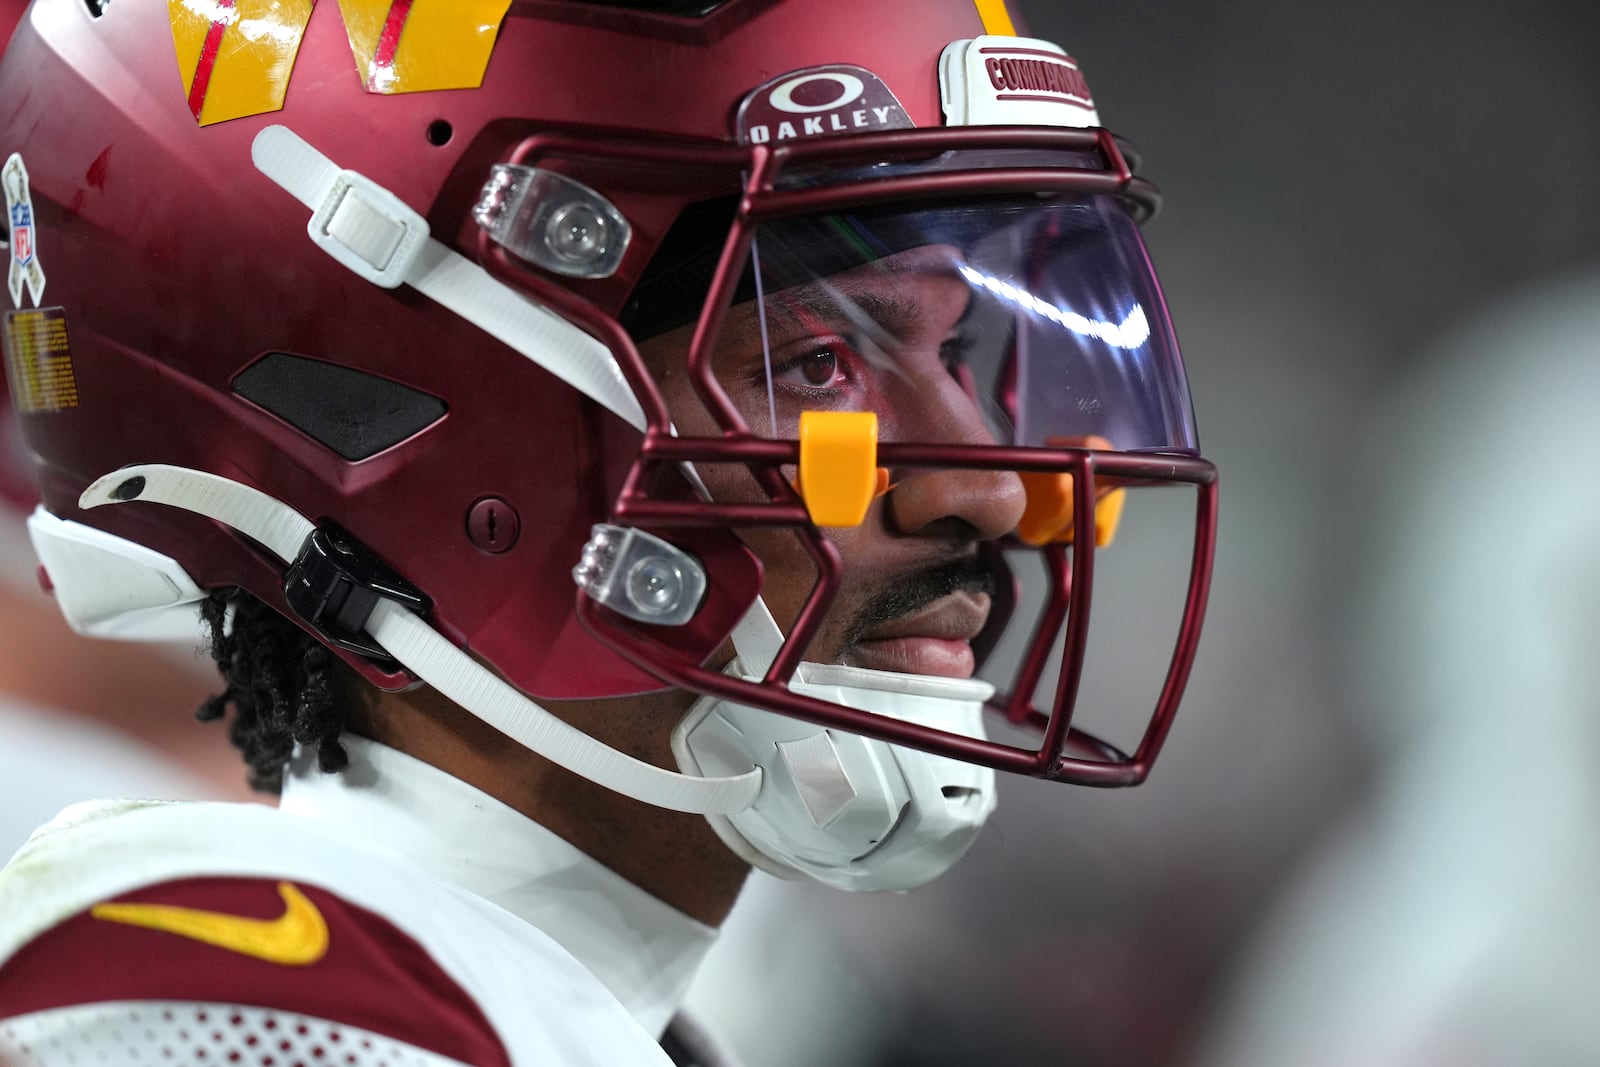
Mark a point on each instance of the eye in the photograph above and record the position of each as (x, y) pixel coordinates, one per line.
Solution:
(820, 366)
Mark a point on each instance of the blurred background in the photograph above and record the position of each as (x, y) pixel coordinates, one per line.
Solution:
(1370, 837)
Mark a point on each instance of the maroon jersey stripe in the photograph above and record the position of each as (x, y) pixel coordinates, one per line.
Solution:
(373, 975)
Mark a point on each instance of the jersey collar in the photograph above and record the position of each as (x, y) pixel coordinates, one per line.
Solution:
(643, 950)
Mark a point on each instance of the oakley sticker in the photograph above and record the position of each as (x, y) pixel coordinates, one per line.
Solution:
(25, 271)
(1013, 81)
(819, 102)
(39, 360)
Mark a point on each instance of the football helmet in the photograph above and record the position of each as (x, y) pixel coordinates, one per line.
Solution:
(576, 349)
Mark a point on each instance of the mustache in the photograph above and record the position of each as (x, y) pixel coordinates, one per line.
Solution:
(919, 589)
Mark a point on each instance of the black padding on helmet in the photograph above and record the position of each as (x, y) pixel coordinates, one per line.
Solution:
(349, 411)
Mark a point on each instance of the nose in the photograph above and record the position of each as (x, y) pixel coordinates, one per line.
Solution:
(965, 505)
(959, 503)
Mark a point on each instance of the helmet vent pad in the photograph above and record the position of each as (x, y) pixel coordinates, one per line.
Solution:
(351, 412)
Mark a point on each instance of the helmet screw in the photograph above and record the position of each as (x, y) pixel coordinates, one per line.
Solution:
(129, 490)
(493, 525)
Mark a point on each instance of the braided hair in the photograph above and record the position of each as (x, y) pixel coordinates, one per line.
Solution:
(280, 681)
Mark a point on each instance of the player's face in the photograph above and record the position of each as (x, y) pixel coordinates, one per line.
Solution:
(883, 337)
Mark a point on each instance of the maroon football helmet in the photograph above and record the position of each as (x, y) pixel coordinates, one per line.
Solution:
(686, 300)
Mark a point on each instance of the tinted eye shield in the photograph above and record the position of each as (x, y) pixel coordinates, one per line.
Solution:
(798, 210)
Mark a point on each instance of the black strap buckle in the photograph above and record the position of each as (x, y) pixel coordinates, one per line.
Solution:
(336, 582)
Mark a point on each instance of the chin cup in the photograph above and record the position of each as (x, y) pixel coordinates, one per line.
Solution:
(848, 811)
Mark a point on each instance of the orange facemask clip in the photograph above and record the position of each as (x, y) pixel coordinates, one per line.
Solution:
(839, 474)
(1048, 516)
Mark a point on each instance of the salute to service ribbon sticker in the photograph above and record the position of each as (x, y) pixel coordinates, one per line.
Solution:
(25, 270)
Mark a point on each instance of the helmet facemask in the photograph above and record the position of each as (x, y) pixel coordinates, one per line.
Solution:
(1011, 344)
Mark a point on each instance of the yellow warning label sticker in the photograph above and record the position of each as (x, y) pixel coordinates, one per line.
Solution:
(39, 360)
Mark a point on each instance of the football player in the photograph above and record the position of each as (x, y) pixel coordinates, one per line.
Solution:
(597, 435)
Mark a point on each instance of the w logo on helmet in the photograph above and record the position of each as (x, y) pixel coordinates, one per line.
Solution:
(235, 56)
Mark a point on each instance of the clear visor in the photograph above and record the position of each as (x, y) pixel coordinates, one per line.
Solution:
(977, 328)
(1022, 320)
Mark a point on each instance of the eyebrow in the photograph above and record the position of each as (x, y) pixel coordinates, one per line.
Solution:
(884, 317)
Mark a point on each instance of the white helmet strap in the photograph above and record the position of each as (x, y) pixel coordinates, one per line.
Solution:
(425, 652)
(378, 236)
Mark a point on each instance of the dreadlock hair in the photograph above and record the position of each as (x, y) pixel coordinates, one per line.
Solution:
(280, 681)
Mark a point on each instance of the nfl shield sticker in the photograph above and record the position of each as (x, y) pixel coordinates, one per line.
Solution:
(25, 270)
(818, 102)
(1013, 81)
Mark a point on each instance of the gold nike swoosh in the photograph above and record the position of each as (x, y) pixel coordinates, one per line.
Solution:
(297, 938)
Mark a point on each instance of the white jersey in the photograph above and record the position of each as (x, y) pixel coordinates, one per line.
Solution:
(388, 915)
